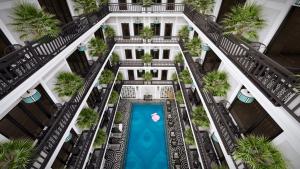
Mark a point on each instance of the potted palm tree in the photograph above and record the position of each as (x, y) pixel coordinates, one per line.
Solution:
(194, 47)
(188, 137)
(32, 22)
(87, 118)
(216, 82)
(179, 59)
(113, 99)
(199, 117)
(115, 59)
(109, 32)
(120, 77)
(16, 154)
(97, 47)
(258, 152)
(67, 84)
(179, 98)
(244, 21)
(183, 33)
(118, 118)
(147, 77)
(107, 76)
(185, 77)
(147, 59)
(147, 33)
(100, 138)
(202, 6)
(85, 6)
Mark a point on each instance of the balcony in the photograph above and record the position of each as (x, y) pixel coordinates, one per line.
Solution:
(140, 63)
(153, 8)
(143, 82)
(153, 40)
(54, 134)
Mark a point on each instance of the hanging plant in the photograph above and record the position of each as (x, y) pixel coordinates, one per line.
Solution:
(147, 58)
(258, 152)
(179, 58)
(100, 138)
(114, 97)
(97, 47)
(217, 83)
(147, 76)
(87, 118)
(109, 32)
(107, 77)
(184, 33)
(16, 154)
(118, 118)
(202, 6)
(147, 33)
(194, 47)
(244, 21)
(179, 98)
(199, 117)
(86, 6)
(32, 22)
(185, 77)
(68, 84)
(115, 59)
(188, 137)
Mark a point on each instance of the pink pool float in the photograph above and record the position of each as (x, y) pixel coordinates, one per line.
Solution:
(155, 117)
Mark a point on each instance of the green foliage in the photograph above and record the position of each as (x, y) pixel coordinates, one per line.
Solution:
(185, 77)
(202, 6)
(109, 32)
(258, 152)
(179, 58)
(199, 117)
(244, 21)
(194, 47)
(147, 76)
(220, 167)
(174, 77)
(87, 118)
(118, 118)
(107, 76)
(114, 97)
(32, 22)
(85, 6)
(115, 58)
(217, 83)
(67, 84)
(147, 58)
(120, 77)
(179, 97)
(97, 47)
(184, 33)
(147, 3)
(16, 154)
(147, 33)
(188, 137)
(100, 138)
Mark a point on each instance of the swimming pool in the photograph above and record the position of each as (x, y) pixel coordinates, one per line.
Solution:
(146, 148)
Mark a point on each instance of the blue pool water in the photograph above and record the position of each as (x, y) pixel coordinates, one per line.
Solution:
(146, 147)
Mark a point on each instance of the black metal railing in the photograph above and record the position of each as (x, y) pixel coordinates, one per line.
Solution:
(153, 40)
(143, 82)
(95, 160)
(18, 65)
(50, 141)
(273, 80)
(140, 63)
(138, 7)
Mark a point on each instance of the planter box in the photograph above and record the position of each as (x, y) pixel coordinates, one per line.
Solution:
(110, 105)
(219, 98)
(188, 85)
(182, 105)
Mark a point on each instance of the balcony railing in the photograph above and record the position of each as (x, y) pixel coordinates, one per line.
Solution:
(153, 40)
(143, 82)
(275, 82)
(17, 66)
(154, 8)
(55, 133)
(140, 63)
(95, 160)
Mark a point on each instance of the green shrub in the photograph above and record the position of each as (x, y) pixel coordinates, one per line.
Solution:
(87, 118)
(188, 137)
(199, 117)
(97, 47)
(68, 84)
(179, 97)
(185, 77)
(100, 138)
(114, 97)
(106, 77)
(118, 118)
(217, 83)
